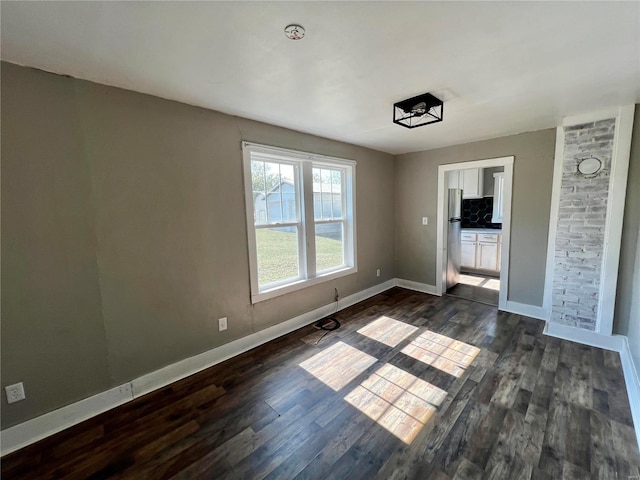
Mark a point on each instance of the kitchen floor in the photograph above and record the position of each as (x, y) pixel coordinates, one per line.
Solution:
(477, 288)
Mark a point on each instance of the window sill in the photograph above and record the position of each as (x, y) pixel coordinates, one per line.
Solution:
(299, 285)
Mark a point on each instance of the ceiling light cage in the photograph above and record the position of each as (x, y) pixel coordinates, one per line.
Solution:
(418, 111)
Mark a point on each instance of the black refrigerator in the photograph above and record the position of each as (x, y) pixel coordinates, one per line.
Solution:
(453, 237)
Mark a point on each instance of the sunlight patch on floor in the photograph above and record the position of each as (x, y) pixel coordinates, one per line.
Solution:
(471, 280)
(387, 330)
(338, 365)
(397, 400)
(444, 353)
(476, 281)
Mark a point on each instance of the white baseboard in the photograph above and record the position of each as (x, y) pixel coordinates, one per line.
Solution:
(417, 286)
(26, 433)
(586, 337)
(527, 310)
(23, 434)
(632, 381)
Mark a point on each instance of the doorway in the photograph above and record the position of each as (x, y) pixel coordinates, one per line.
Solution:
(484, 288)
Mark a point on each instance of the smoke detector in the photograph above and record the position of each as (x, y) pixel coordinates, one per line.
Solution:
(294, 32)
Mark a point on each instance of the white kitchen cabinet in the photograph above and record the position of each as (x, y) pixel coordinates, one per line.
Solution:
(471, 181)
(487, 256)
(468, 254)
(498, 195)
(480, 251)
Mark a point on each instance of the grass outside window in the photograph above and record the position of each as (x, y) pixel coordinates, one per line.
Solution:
(277, 254)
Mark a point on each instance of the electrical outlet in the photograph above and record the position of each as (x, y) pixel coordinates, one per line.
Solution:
(425, 220)
(222, 324)
(336, 296)
(377, 272)
(15, 393)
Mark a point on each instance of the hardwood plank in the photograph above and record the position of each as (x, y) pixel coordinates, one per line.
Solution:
(323, 463)
(306, 452)
(602, 454)
(520, 469)
(553, 447)
(364, 455)
(521, 403)
(268, 457)
(468, 471)
(482, 441)
(448, 457)
(578, 445)
(499, 459)
(573, 472)
(530, 442)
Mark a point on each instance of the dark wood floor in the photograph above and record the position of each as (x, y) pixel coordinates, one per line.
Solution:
(411, 386)
(481, 293)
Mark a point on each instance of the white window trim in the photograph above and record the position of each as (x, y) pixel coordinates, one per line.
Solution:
(306, 249)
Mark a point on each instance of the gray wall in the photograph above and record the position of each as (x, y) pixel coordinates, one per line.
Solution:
(53, 335)
(124, 235)
(627, 310)
(623, 311)
(633, 325)
(416, 196)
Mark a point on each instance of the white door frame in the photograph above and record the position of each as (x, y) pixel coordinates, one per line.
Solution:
(441, 256)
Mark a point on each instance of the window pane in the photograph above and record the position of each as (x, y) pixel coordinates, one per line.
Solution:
(336, 196)
(325, 175)
(277, 252)
(329, 246)
(274, 192)
(327, 194)
(288, 194)
(317, 194)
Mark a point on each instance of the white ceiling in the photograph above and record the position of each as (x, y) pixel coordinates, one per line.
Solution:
(501, 67)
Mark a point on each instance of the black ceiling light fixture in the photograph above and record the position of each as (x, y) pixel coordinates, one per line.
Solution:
(418, 111)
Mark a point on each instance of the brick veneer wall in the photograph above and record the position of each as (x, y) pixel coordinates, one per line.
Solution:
(580, 230)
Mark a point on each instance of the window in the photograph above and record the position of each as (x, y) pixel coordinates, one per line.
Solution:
(300, 219)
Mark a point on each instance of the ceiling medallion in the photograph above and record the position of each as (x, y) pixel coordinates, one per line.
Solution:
(294, 32)
(418, 111)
